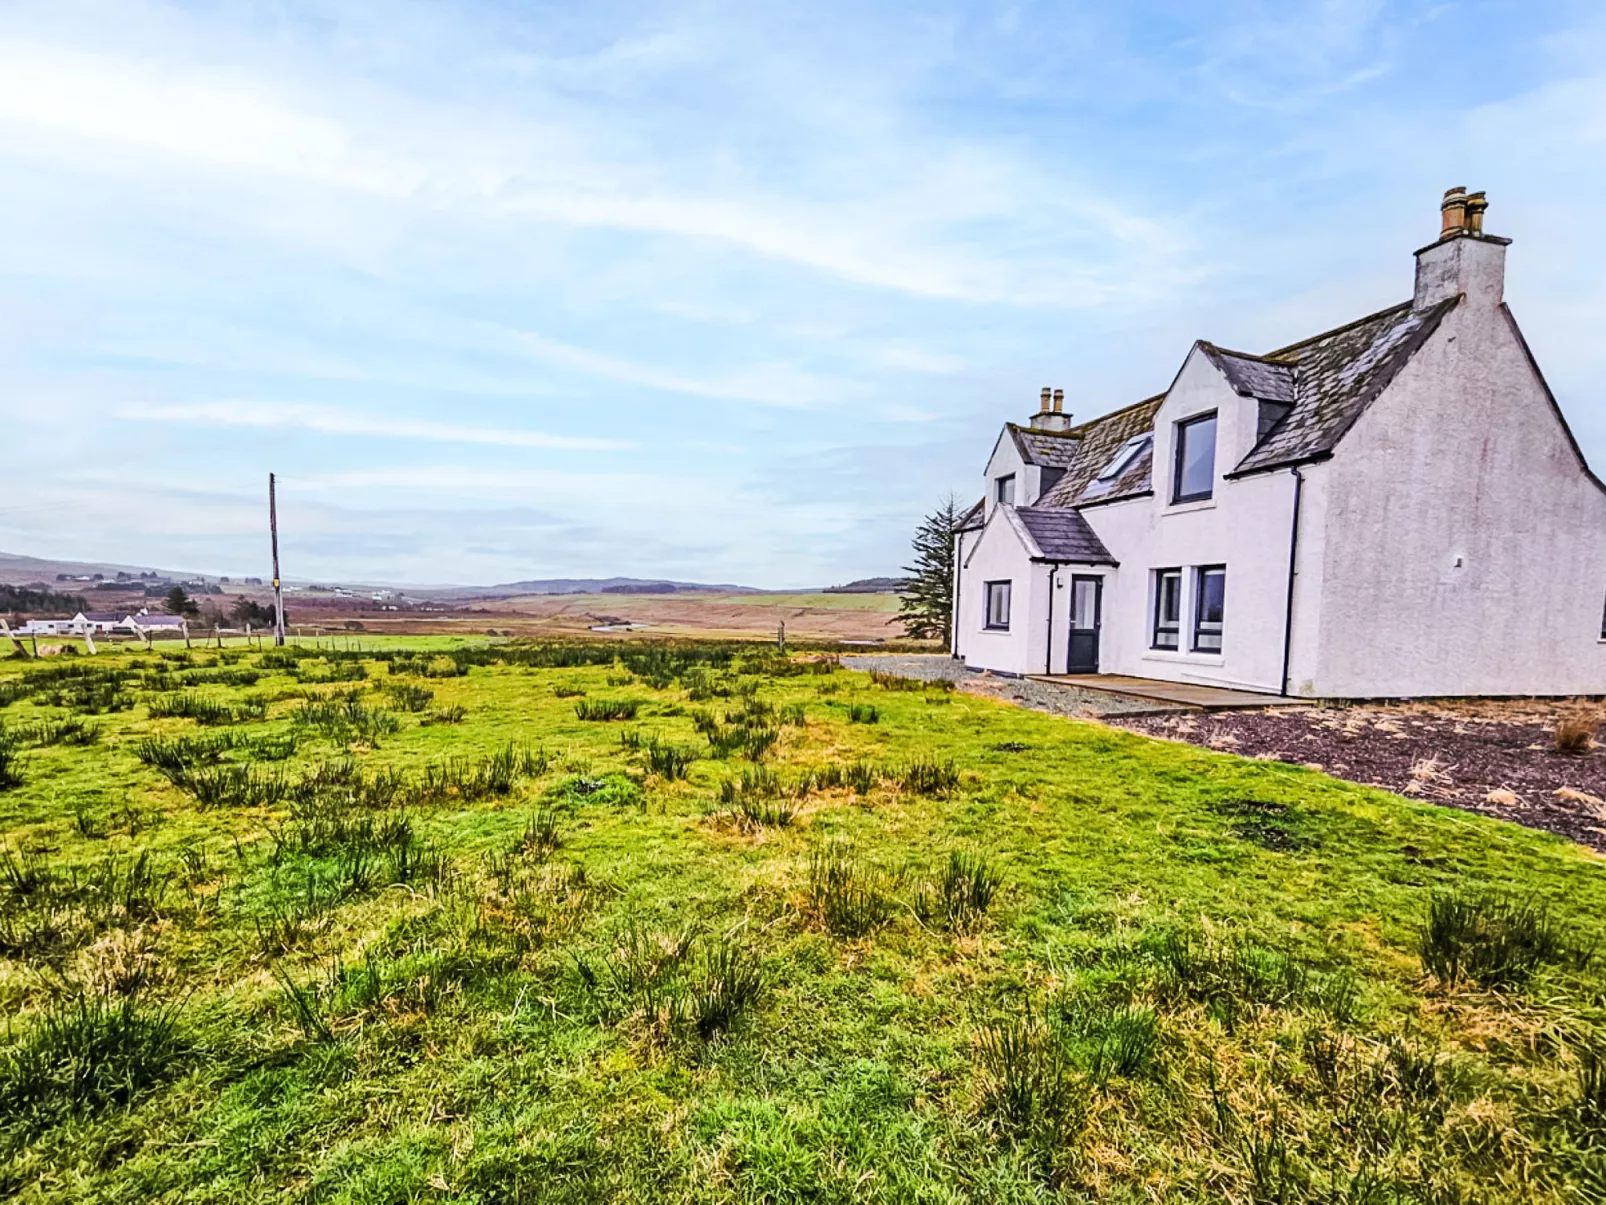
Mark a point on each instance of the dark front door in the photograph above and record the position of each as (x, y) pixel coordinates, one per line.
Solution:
(1082, 653)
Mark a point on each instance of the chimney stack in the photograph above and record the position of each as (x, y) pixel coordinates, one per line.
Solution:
(1453, 212)
(1050, 414)
(1464, 261)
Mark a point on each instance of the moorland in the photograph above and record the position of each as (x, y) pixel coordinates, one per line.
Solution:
(453, 920)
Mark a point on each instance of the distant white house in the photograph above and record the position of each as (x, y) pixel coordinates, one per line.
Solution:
(1392, 508)
(93, 622)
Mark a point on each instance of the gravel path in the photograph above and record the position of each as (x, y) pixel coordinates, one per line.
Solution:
(1040, 696)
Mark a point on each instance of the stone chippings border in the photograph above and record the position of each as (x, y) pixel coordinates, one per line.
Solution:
(1040, 696)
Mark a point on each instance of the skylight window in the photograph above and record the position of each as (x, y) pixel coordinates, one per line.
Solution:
(1129, 452)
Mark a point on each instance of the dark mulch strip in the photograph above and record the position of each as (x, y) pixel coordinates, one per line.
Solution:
(1477, 758)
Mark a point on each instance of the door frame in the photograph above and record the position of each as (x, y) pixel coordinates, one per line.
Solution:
(1098, 620)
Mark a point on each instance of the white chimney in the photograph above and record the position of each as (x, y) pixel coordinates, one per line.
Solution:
(1465, 259)
(1051, 416)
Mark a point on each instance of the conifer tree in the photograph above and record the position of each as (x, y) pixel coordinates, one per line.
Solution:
(926, 604)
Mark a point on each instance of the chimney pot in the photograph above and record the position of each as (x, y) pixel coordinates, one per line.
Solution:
(1059, 400)
(1453, 211)
(1477, 203)
(1044, 408)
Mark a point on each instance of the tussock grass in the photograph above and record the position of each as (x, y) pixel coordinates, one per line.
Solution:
(204, 709)
(607, 709)
(1494, 941)
(416, 962)
(345, 717)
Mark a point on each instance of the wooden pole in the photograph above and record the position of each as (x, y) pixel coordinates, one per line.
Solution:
(273, 530)
(5, 629)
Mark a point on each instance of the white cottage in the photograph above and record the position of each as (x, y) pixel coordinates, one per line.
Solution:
(1394, 508)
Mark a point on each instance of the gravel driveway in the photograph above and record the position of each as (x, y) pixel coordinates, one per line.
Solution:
(1040, 696)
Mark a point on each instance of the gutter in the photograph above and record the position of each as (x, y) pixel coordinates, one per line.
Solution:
(1293, 561)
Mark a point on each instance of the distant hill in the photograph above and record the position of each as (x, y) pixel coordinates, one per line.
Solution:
(870, 585)
(605, 585)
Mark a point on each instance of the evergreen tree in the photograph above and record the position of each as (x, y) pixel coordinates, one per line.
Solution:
(926, 605)
(180, 603)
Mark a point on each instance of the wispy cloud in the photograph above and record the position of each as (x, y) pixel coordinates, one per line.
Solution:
(328, 421)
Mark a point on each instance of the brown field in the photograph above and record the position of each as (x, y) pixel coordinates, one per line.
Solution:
(806, 616)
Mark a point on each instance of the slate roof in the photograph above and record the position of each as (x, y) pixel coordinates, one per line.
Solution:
(1063, 535)
(1052, 449)
(1253, 376)
(974, 518)
(1099, 441)
(1338, 375)
(1327, 381)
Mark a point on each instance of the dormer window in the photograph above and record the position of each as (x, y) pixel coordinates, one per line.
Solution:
(1195, 468)
(1004, 490)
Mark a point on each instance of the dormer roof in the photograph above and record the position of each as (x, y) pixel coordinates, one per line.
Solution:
(1050, 449)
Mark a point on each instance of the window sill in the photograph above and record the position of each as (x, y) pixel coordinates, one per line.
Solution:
(995, 631)
(1187, 658)
(1185, 508)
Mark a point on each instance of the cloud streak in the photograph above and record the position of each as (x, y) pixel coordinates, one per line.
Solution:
(328, 421)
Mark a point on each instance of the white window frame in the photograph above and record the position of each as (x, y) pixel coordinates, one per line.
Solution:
(1174, 628)
(990, 590)
(1200, 572)
(1000, 484)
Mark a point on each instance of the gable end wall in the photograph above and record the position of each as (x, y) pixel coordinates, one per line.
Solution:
(1464, 549)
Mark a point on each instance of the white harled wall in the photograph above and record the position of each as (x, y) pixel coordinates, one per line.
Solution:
(1245, 526)
(1466, 552)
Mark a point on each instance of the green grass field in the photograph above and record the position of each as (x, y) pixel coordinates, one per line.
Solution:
(400, 925)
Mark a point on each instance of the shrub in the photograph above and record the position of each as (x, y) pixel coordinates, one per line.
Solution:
(607, 709)
(1575, 731)
(1491, 940)
(962, 896)
(863, 713)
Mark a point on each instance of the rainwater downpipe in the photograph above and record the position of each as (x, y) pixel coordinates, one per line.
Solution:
(1293, 562)
(1048, 657)
(959, 573)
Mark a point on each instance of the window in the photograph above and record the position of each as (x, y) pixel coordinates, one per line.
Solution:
(1167, 607)
(1004, 490)
(1195, 459)
(1209, 607)
(998, 605)
(1124, 457)
(1603, 624)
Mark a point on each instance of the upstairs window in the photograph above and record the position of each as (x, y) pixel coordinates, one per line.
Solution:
(1004, 490)
(1195, 471)
(1167, 608)
(1209, 608)
(997, 606)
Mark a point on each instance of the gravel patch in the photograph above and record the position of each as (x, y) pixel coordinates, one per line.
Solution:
(1040, 696)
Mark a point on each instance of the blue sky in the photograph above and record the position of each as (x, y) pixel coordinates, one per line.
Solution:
(729, 292)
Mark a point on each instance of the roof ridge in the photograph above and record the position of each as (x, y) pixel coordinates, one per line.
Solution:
(1040, 431)
(1337, 330)
(1249, 355)
(1104, 418)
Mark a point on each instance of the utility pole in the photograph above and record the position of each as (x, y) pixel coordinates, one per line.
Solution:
(278, 594)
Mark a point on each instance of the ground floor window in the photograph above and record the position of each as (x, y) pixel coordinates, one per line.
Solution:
(1603, 623)
(1209, 608)
(1167, 607)
(998, 605)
